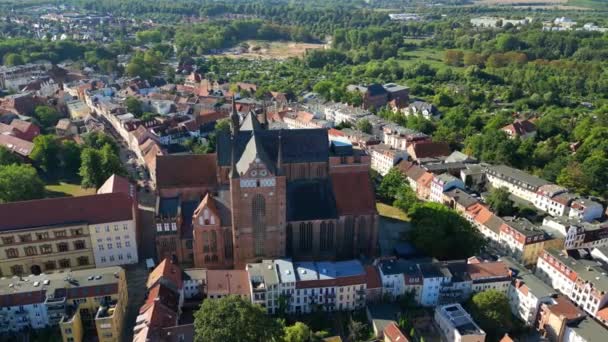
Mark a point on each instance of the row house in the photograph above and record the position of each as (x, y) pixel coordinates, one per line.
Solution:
(482, 218)
(586, 209)
(384, 157)
(400, 277)
(419, 180)
(582, 280)
(517, 182)
(577, 233)
(304, 120)
(70, 232)
(524, 241)
(341, 113)
(527, 292)
(558, 316)
(15, 77)
(553, 199)
(76, 301)
(272, 284)
(329, 286)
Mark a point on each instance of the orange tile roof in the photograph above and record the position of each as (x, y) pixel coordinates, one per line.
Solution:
(225, 282)
(167, 270)
(485, 270)
(394, 334)
(603, 314)
(372, 277)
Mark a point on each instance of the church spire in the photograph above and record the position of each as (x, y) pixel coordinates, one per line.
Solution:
(235, 119)
(233, 172)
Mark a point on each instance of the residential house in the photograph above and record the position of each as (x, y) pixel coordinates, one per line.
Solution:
(523, 129)
(524, 241)
(341, 113)
(427, 149)
(392, 333)
(442, 183)
(272, 281)
(553, 199)
(517, 182)
(424, 109)
(400, 277)
(400, 138)
(457, 325)
(586, 209)
(578, 234)
(222, 283)
(384, 157)
(24, 130)
(77, 109)
(556, 316)
(22, 148)
(527, 292)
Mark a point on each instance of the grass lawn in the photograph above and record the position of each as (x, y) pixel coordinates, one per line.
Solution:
(430, 56)
(63, 189)
(391, 212)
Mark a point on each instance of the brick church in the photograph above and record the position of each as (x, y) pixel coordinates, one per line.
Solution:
(265, 194)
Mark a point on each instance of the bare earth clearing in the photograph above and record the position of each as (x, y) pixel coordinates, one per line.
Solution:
(270, 50)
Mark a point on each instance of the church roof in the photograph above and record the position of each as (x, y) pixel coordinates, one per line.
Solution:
(255, 152)
(250, 122)
(298, 145)
(310, 200)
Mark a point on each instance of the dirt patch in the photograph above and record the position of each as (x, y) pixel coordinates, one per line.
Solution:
(269, 50)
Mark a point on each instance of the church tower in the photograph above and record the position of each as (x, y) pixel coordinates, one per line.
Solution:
(258, 194)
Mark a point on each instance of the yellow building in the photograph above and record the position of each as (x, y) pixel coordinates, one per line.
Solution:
(96, 306)
(51, 234)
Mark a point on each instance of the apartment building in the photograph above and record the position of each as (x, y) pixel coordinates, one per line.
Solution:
(329, 286)
(582, 280)
(384, 157)
(553, 199)
(526, 292)
(58, 233)
(456, 325)
(84, 303)
(442, 183)
(555, 317)
(519, 183)
(272, 284)
(524, 241)
(400, 277)
(400, 138)
(578, 233)
(586, 209)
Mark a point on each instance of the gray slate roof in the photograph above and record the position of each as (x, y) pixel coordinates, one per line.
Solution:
(310, 200)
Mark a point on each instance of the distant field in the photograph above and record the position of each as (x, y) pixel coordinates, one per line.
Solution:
(560, 4)
(67, 190)
(272, 50)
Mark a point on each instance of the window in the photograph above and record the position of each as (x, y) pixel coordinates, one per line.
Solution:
(64, 263)
(42, 236)
(128, 255)
(30, 250)
(83, 261)
(62, 247)
(115, 227)
(25, 238)
(97, 229)
(205, 242)
(128, 244)
(213, 241)
(46, 249)
(111, 258)
(118, 245)
(60, 234)
(17, 269)
(107, 229)
(110, 245)
(119, 256)
(8, 240)
(50, 265)
(103, 259)
(100, 247)
(12, 253)
(305, 241)
(258, 212)
(77, 232)
(80, 244)
(125, 226)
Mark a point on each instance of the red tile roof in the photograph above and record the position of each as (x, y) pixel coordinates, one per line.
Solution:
(393, 333)
(117, 184)
(186, 170)
(485, 270)
(428, 149)
(16, 145)
(93, 209)
(27, 130)
(163, 294)
(520, 127)
(165, 270)
(225, 282)
(350, 202)
(372, 277)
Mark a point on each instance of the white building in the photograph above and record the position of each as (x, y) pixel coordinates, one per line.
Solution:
(517, 182)
(329, 286)
(442, 183)
(385, 157)
(273, 283)
(434, 276)
(553, 199)
(526, 293)
(342, 113)
(586, 209)
(400, 277)
(457, 325)
(577, 233)
(586, 330)
(194, 280)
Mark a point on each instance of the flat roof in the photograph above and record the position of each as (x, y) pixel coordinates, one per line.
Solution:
(460, 319)
(593, 271)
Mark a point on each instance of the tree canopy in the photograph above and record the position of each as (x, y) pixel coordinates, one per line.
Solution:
(490, 309)
(19, 183)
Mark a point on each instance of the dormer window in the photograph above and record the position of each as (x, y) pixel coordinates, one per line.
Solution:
(253, 173)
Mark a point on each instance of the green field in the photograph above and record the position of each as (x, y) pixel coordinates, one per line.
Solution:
(64, 189)
(592, 4)
(391, 212)
(432, 57)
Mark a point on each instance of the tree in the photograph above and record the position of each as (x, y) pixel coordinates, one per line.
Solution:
(490, 309)
(91, 169)
(70, 158)
(222, 125)
(134, 106)
(391, 184)
(7, 157)
(97, 140)
(13, 59)
(299, 332)
(110, 162)
(234, 319)
(19, 183)
(46, 153)
(357, 331)
(405, 198)
(364, 126)
(453, 57)
(500, 202)
(436, 229)
(47, 116)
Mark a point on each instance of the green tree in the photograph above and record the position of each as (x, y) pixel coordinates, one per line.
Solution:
(134, 106)
(222, 125)
(391, 184)
(46, 153)
(357, 331)
(91, 168)
(405, 198)
(19, 183)
(110, 162)
(436, 229)
(7, 157)
(13, 59)
(234, 319)
(500, 202)
(490, 309)
(364, 126)
(70, 158)
(299, 332)
(47, 116)
(453, 57)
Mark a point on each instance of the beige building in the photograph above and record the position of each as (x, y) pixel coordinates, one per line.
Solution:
(456, 324)
(51, 234)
